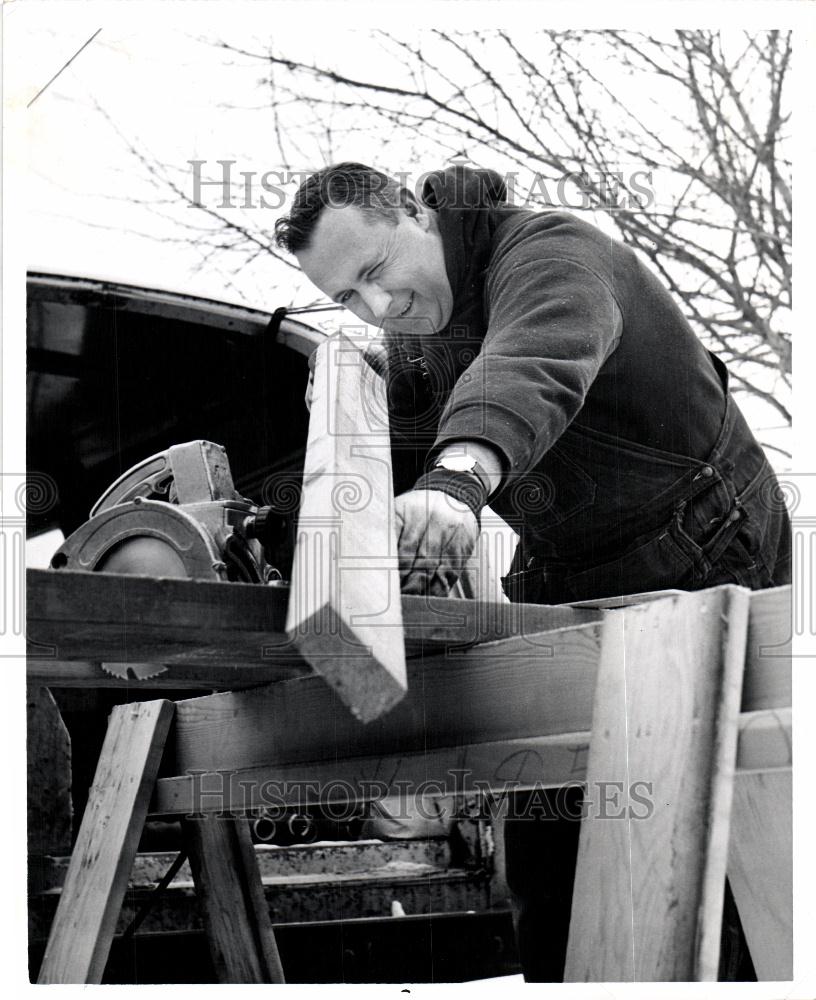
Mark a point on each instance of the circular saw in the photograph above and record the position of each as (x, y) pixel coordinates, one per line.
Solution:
(176, 514)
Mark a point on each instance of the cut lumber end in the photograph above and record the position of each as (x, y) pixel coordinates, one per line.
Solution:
(365, 666)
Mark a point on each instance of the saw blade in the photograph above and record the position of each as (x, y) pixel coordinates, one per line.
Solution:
(134, 671)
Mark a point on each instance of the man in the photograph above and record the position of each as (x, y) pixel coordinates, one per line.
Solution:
(538, 363)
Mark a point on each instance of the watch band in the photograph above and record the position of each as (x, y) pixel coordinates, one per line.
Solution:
(459, 485)
(474, 470)
(468, 485)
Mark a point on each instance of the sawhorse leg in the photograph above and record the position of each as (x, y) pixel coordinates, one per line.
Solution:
(221, 856)
(647, 904)
(102, 859)
(230, 893)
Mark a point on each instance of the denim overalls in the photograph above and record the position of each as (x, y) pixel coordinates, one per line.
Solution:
(623, 518)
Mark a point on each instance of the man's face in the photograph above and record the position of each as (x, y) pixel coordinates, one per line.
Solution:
(392, 276)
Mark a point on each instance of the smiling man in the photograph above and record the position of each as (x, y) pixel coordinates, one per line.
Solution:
(388, 270)
(536, 362)
(366, 244)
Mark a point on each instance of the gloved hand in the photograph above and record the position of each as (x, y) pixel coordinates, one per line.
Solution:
(437, 535)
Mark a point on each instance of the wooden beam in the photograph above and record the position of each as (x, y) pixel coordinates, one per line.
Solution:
(525, 686)
(345, 613)
(131, 619)
(231, 900)
(95, 884)
(180, 677)
(647, 902)
(138, 619)
(447, 624)
(104, 616)
(499, 766)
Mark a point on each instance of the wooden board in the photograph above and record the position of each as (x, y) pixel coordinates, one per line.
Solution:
(133, 619)
(104, 616)
(102, 858)
(760, 869)
(647, 902)
(345, 613)
(760, 866)
(498, 767)
(180, 677)
(231, 900)
(525, 686)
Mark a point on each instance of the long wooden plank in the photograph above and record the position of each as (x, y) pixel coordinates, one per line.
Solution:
(131, 619)
(180, 677)
(96, 616)
(438, 624)
(500, 766)
(647, 903)
(107, 617)
(525, 686)
(231, 900)
(345, 613)
(95, 884)
(760, 869)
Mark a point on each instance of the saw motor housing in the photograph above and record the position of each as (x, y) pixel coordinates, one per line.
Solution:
(176, 514)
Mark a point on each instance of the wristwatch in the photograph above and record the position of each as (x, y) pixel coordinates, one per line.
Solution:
(467, 464)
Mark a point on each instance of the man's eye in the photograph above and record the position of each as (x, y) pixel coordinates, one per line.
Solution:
(343, 298)
(376, 269)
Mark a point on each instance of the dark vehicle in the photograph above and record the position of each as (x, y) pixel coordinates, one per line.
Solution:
(117, 373)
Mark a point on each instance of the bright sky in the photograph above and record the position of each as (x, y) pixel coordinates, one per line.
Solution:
(167, 90)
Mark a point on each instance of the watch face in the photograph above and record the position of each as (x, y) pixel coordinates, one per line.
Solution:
(457, 463)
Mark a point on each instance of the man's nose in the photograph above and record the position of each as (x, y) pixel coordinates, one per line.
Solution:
(377, 301)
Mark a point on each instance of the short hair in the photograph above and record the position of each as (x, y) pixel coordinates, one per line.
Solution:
(378, 195)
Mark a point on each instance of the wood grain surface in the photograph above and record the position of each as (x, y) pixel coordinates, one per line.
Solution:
(345, 612)
(760, 869)
(108, 617)
(647, 902)
(95, 884)
(491, 767)
(231, 899)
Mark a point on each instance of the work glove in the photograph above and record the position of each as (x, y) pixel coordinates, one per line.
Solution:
(437, 534)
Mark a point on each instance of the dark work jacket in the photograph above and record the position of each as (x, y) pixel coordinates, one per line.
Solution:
(626, 464)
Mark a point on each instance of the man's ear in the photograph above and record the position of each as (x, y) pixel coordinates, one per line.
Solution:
(416, 211)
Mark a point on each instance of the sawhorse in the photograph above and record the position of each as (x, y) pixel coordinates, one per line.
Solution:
(670, 712)
(221, 854)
